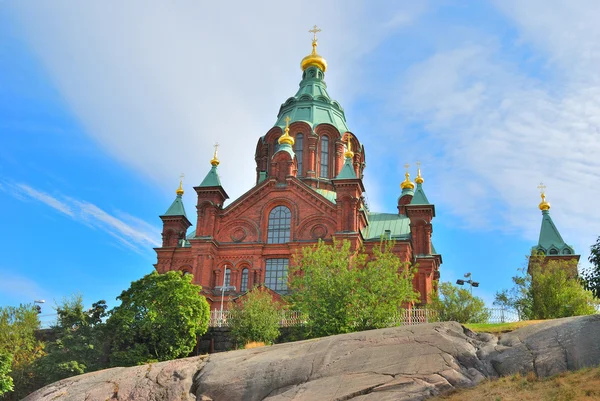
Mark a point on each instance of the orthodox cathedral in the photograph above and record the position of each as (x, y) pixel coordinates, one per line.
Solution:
(309, 170)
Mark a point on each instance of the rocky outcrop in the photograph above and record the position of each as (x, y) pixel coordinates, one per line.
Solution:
(403, 363)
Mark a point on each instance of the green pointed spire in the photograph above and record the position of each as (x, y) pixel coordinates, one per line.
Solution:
(419, 197)
(347, 171)
(550, 237)
(176, 208)
(212, 178)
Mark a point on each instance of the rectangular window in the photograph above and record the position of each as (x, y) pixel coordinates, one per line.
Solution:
(244, 283)
(276, 275)
(298, 150)
(324, 168)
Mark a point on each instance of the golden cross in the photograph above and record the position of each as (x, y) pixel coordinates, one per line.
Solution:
(287, 121)
(314, 32)
(216, 145)
(406, 166)
(542, 187)
(181, 177)
(418, 164)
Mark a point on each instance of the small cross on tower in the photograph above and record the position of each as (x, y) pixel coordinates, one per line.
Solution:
(542, 187)
(314, 32)
(287, 121)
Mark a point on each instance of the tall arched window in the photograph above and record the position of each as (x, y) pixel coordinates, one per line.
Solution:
(244, 282)
(227, 281)
(278, 231)
(324, 170)
(298, 150)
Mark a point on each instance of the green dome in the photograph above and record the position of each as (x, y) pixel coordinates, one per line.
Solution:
(312, 103)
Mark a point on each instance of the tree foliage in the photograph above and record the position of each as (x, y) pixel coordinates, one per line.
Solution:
(459, 305)
(548, 290)
(17, 338)
(6, 382)
(341, 291)
(159, 318)
(255, 318)
(79, 341)
(591, 276)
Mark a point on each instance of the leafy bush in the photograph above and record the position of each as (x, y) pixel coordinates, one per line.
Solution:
(459, 305)
(255, 318)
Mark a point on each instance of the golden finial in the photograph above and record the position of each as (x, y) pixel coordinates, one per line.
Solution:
(419, 179)
(313, 58)
(214, 161)
(349, 154)
(179, 190)
(407, 184)
(543, 204)
(286, 138)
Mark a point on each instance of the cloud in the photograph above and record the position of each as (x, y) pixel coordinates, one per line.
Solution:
(501, 128)
(130, 231)
(157, 84)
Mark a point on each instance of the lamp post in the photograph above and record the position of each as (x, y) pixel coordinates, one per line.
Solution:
(223, 289)
(469, 281)
(38, 307)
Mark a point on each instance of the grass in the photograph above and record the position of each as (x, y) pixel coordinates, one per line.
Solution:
(580, 385)
(497, 328)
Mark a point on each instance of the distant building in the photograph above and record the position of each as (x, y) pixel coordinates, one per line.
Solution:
(309, 170)
(551, 243)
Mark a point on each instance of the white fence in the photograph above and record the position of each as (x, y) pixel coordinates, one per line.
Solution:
(295, 318)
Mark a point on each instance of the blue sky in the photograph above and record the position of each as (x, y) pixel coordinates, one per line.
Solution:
(103, 105)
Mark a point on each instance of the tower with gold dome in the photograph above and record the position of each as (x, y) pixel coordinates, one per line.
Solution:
(551, 243)
(308, 187)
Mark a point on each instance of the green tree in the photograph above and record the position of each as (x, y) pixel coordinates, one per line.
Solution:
(548, 290)
(341, 291)
(459, 305)
(17, 338)
(79, 341)
(6, 382)
(159, 318)
(591, 276)
(255, 318)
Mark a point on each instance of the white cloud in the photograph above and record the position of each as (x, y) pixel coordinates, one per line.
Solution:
(157, 84)
(502, 129)
(130, 231)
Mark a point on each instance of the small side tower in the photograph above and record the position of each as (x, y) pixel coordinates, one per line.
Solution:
(211, 197)
(283, 163)
(551, 243)
(408, 191)
(175, 221)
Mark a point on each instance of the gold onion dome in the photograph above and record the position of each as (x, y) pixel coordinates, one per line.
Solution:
(313, 59)
(349, 154)
(179, 190)
(544, 205)
(419, 179)
(286, 138)
(215, 161)
(407, 184)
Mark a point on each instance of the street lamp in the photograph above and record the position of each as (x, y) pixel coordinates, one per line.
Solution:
(38, 307)
(469, 281)
(223, 288)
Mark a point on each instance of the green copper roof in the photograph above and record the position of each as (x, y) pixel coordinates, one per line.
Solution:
(312, 103)
(550, 238)
(398, 226)
(285, 147)
(176, 208)
(211, 179)
(347, 171)
(330, 195)
(419, 197)
(407, 191)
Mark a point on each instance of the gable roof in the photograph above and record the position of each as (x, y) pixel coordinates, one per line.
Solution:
(397, 225)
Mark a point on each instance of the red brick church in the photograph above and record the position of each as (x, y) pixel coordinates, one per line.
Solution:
(309, 170)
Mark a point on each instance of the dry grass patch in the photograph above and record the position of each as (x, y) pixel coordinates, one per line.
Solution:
(581, 385)
(254, 344)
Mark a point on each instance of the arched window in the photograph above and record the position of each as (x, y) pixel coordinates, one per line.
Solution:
(244, 283)
(324, 170)
(278, 231)
(566, 251)
(298, 150)
(553, 251)
(227, 281)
